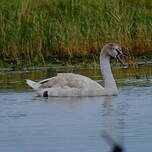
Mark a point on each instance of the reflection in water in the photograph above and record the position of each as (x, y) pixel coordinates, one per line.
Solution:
(132, 76)
(113, 116)
(63, 100)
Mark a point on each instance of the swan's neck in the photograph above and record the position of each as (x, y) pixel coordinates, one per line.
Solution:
(110, 84)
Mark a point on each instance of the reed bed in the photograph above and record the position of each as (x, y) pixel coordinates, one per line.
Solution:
(47, 31)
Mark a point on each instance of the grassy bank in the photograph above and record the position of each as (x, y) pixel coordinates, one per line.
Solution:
(40, 31)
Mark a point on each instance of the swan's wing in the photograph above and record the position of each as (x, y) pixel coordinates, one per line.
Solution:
(70, 80)
(77, 81)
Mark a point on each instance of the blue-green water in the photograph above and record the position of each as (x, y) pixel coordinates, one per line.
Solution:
(33, 124)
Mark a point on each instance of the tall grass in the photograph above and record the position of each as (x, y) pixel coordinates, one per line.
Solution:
(37, 31)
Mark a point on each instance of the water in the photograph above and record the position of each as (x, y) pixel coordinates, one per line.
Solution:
(33, 124)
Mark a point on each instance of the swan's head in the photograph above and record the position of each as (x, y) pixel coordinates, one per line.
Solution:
(115, 51)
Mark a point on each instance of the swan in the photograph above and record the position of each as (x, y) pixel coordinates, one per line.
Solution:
(70, 84)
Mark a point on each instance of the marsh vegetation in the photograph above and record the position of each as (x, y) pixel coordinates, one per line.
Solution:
(36, 32)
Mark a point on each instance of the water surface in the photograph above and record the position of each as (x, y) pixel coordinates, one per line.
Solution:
(33, 124)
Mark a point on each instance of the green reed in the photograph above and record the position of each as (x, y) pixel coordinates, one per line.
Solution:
(40, 31)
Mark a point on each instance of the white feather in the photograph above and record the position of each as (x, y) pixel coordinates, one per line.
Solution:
(33, 84)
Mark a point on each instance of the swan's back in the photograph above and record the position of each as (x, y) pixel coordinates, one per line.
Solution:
(69, 79)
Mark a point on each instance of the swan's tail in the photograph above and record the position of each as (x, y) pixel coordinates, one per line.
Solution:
(33, 84)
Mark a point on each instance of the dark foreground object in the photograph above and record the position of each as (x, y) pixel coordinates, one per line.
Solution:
(117, 148)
